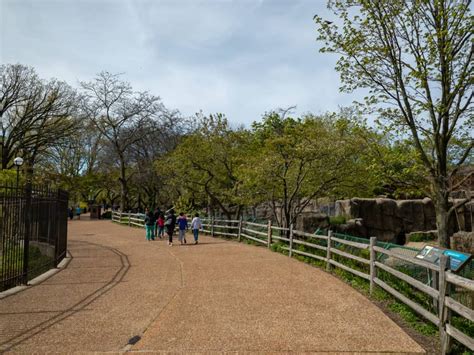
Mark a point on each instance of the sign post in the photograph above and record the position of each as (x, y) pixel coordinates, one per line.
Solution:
(433, 254)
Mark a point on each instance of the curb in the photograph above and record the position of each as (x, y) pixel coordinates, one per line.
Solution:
(39, 279)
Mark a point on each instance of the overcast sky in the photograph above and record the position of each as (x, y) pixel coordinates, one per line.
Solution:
(239, 57)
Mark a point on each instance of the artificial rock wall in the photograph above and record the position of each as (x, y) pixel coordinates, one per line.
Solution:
(389, 220)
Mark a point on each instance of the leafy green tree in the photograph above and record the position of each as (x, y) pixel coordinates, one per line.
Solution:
(205, 165)
(416, 60)
(391, 167)
(296, 161)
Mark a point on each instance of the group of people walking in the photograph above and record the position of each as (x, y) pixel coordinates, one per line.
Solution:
(156, 224)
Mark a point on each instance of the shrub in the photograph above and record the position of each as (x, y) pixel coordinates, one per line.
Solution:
(107, 215)
(337, 220)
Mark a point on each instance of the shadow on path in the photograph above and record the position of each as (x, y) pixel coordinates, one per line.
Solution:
(77, 307)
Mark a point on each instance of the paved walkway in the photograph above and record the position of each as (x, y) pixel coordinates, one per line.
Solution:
(213, 297)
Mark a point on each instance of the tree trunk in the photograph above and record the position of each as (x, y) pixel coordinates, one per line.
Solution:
(123, 186)
(442, 217)
(4, 157)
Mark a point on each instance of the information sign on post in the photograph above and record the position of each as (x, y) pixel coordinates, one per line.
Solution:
(432, 255)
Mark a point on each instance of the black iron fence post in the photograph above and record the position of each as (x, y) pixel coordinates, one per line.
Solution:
(33, 232)
(26, 238)
(57, 214)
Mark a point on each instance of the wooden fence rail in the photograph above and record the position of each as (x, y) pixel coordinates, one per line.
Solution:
(265, 234)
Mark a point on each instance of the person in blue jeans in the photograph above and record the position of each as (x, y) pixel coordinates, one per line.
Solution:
(182, 225)
(196, 225)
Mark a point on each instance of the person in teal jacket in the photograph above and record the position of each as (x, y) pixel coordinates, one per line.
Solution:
(150, 225)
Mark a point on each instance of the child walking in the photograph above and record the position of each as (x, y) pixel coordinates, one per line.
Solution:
(150, 226)
(183, 225)
(160, 224)
(196, 225)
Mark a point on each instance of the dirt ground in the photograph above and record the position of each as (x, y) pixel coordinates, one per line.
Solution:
(218, 296)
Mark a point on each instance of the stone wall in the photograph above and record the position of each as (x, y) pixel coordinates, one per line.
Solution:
(389, 220)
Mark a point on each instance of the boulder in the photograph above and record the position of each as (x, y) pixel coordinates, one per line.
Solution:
(463, 241)
(354, 227)
(343, 208)
(390, 220)
(310, 222)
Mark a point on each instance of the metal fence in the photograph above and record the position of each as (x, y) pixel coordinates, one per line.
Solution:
(33, 232)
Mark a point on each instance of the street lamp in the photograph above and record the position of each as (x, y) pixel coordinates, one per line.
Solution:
(18, 162)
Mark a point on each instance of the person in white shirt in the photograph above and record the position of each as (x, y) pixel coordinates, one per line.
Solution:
(196, 225)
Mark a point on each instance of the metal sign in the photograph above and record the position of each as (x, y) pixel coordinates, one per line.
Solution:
(432, 254)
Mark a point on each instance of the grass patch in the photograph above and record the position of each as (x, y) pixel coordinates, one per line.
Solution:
(421, 237)
(38, 263)
(413, 319)
(337, 220)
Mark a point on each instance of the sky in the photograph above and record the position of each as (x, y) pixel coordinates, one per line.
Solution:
(242, 58)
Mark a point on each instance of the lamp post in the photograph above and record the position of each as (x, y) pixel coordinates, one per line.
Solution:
(18, 162)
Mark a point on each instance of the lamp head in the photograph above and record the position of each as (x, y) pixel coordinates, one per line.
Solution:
(18, 161)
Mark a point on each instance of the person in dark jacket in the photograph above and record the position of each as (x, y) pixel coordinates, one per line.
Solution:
(170, 224)
(150, 225)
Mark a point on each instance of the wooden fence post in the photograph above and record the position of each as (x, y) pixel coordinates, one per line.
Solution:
(442, 310)
(328, 252)
(212, 226)
(120, 217)
(239, 233)
(290, 254)
(129, 218)
(435, 285)
(373, 272)
(269, 234)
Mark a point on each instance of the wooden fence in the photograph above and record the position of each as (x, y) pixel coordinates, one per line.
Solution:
(131, 219)
(290, 239)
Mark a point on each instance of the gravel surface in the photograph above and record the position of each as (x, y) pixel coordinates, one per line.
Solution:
(218, 296)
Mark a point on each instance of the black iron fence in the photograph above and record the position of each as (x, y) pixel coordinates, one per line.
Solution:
(33, 232)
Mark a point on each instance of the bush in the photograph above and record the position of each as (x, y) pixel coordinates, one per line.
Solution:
(422, 236)
(337, 220)
(107, 215)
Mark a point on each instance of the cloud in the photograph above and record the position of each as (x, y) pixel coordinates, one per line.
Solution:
(241, 58)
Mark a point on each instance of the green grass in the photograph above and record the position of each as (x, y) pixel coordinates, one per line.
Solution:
(421, 237)
(38, 263)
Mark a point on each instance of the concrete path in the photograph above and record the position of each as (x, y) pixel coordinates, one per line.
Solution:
(214, 297)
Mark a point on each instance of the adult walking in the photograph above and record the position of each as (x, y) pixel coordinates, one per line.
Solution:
(150, 225)
(182, 225)
(196, 225)
(170, 224)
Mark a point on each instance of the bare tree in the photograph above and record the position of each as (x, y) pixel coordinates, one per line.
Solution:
(34, 114)
(118, 113)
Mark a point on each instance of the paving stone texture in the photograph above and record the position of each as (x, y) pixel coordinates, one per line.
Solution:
(218, 296)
